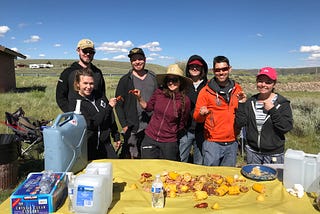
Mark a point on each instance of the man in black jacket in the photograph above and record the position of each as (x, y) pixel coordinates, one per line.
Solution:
(133, 119)
(65, 91)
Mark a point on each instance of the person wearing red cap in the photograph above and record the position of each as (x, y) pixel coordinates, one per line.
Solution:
(197, 70)
(266, 117)
(215, 107)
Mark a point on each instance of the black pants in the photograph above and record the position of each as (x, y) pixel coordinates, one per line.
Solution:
(151, 149)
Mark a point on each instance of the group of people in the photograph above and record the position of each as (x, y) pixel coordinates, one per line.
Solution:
(176, 114)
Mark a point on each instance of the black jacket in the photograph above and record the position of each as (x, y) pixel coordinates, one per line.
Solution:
(127, 108)
(192, 93)
(279, 121)
(65, 91)
(99, 116)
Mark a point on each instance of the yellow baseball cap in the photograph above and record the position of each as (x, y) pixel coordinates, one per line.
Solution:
(85, 43)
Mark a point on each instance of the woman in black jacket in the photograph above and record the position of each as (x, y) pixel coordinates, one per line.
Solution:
(98, 112)
(267, 117)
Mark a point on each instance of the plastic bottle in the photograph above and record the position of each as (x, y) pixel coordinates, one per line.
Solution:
(157, 193)
(71, 181)
(46, 182)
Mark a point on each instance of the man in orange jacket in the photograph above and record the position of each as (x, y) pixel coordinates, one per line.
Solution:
(216, 106)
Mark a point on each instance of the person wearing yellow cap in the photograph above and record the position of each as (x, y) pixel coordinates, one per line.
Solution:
(171, 108)
(64, 91)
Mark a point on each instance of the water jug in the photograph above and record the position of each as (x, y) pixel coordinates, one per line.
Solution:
(301, 168)
(90, 194)
(104, 169)
(65, 143)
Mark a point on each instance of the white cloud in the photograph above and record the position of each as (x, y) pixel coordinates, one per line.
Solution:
(314, 56)
(152, 46)
(312, 48)
(259, 35)
(115, 47)
(119, 57)
(15, 49)
(57, 45)
(42, 55)
(3, 30)
(33, 38)
(13, 38)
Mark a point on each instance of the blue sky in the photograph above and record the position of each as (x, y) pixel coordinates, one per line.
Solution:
(251, 33)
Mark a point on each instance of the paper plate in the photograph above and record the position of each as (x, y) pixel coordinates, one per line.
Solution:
(259, 172)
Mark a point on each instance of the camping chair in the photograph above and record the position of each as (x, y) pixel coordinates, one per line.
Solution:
(26, 130)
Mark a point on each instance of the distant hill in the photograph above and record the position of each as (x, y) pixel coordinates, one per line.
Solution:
(115, 67)
(107, 67)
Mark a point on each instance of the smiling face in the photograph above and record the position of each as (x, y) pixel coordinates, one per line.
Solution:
(173, 82)
(86, 55)
(138, 62)
(265, 85)
(221, 72)
(85, 85)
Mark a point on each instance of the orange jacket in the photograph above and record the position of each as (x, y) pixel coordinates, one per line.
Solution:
(219, 124)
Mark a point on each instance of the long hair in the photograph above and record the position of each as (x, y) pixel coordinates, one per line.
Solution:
(182, 90)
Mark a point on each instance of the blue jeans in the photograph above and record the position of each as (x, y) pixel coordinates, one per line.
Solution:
(258, 158)
(219, 154)
(186, 142)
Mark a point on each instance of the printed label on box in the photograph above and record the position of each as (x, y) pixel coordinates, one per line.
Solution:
(85, 196)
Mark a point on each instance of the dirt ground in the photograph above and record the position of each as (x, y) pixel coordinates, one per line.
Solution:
(296, 86)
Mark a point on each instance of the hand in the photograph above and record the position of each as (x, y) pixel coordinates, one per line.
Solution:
(268, 104)
(117, 144)
(135, 92)
(204, 110)
(124, 129)
(112, 102)
(242, 97)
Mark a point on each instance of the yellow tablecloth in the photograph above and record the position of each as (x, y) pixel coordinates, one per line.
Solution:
(128, 200)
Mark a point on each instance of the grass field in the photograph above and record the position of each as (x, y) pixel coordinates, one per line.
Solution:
(36, 95)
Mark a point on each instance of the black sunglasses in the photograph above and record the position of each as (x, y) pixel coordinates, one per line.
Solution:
(221, 69)
(173, 79)
(88, 51)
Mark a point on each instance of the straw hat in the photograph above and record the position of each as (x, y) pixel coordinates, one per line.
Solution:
(174, 70)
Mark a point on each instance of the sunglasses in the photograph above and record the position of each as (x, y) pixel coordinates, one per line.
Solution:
(221, 69)
(268, 82)
(172, 79)
(197, 67)
(88, 51)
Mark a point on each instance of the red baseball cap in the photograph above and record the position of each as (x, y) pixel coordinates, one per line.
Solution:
(269, 72)
(195, 62)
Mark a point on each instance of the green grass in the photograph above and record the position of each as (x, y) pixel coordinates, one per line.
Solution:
(36, 95)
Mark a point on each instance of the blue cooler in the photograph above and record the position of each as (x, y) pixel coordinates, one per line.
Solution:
(65, 143)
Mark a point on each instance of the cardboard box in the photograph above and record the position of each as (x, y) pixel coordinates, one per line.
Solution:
(28, 199)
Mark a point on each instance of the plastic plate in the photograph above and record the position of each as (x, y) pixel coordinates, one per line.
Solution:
(265, 173)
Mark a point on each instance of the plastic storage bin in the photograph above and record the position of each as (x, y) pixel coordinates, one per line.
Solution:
(301, 168)
(65, 143)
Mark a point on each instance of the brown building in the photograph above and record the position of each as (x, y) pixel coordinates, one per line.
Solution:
(7, 70)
